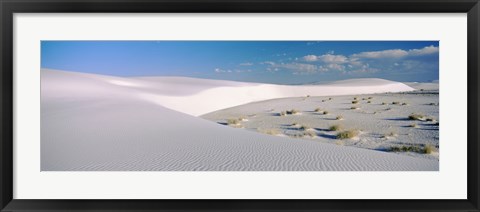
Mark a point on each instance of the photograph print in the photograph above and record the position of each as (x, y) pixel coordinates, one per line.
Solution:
(239, 106)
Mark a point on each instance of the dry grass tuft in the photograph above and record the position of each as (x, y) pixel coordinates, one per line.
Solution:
(415, 116)
(270, 131)
(425, 149)
(233, 122)
(335, 127)
(395, 103)
(304, 128)
(292, 112)
(390, 135)
(347, 134)
(339, 117)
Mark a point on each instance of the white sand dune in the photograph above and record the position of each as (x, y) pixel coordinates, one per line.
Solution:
(102, 123)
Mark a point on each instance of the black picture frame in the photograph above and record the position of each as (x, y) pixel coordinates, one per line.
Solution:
(9, 7)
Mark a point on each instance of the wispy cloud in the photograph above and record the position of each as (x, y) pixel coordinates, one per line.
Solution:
(396, 53)
(219, 70)
(246, 64)
(326, 58)
(363, 62)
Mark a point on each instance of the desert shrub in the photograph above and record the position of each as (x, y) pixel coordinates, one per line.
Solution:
(404, 103)
(414, 125)
(428, 149)
(369, 101)
(389, 135)
(302, 134)
(282, 113)
(318, 109)
(330, 98)
(433, 104)
(270, 131)
(354, 108)
(384, 103)
(293, 112)
(355, 98)
(370, 97)
(233, 122)
(339, 117)
(335, 127)
(415, 116)
(324, 100)
(430, 119)
(347, 134)
(395, 103)
(355, 102)
(242, 118)
(304, 128)
(325, 112)
(310, 133)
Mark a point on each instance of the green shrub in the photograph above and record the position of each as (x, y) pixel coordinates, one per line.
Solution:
(293, 112)
(304, 128)
(347, 134)
(389, 135)
(335, 127)
(233, 121)
(426, 149)
(415, 116)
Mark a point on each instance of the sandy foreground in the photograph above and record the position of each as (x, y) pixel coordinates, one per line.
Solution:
(102, 123)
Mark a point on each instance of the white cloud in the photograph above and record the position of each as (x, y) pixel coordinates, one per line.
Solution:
(218, 70)
(426, 50)
(310, 58)
(246, 64)
(363, 62)
(396, 53)
(243, 71)
(330, 58)
(269, 63)
(326, 58)
(391, 53)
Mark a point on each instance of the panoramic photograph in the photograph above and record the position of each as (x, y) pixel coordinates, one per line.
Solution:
(239, 106)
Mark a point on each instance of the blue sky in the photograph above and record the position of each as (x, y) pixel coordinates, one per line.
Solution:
(280, 62)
